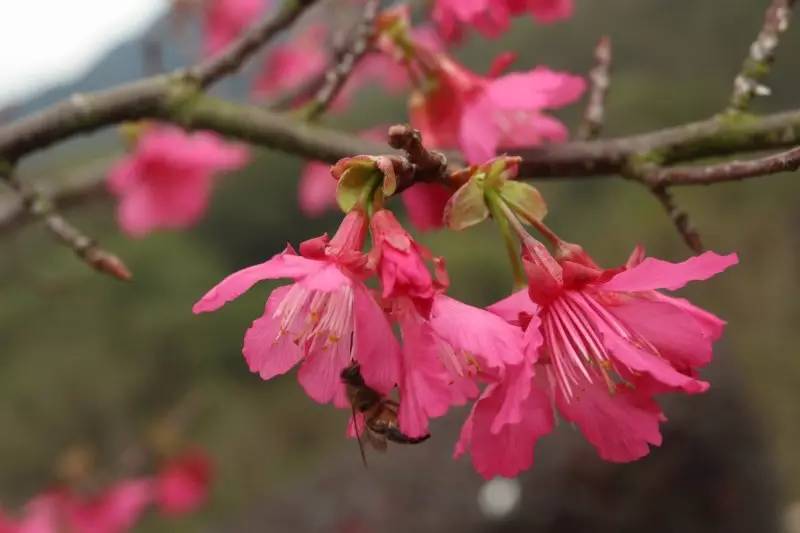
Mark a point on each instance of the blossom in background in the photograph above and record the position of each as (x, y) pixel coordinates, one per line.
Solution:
(480, 114)
(115, 510)
(166, 181)
(602, 344)
(491, 17)
(292, 63)
(226, 19)
(182, 484)
(323, 320)
(306, 57)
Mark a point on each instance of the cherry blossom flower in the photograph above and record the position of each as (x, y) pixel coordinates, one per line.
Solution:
(166, 182)
(322, 321)
(602, 343)
(446, 344)
(226, 19)
(480, 114)
(113, 511)
(182, 485)
(491, 17)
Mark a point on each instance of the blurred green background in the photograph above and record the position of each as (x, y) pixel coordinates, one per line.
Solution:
(87, 362)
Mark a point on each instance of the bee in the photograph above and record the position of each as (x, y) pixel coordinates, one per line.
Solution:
(379, 412)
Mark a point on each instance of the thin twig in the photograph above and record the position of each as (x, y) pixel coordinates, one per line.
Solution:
(600, 79)
(234, 56)
(680, 218)
(756, 67)
(86, 248)
(733, 171)
(337, 76)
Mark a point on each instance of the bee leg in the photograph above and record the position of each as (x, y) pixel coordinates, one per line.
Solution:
(395, 435)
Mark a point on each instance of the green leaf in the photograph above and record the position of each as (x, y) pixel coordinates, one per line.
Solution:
(524, 199)
(467, 206)
(354, 183)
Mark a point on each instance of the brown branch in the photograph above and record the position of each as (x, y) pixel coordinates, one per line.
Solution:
(733, 171)
(600, 78)
(756, 67)
(88, 250)
(680, 218)
(336, 77)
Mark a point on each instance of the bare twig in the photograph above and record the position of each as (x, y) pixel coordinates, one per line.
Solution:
(732, 171)
(756, 67)
(600, 78)
(84, 247)
(240, 50)
(680, 218)
(337, 76)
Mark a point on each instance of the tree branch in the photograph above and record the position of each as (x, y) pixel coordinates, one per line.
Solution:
(600, 78)
(756, 66)
(234, 56)
(680, 218)
(337, 76)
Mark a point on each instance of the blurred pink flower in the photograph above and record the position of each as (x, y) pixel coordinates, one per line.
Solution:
(324, 320)
(306, 57)
(113, 511)
(603, 343)
(166, 182)
(316, 190)
(292, 63)
(480, 114)
(491, 17)
(226, 19)
(182, 485)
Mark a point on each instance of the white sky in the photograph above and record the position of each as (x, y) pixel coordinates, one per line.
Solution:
(46, 42)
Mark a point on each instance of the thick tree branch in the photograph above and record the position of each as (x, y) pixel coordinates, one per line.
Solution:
(756, 67)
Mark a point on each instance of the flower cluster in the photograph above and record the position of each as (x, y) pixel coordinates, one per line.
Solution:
(180, 487)
(593, 344)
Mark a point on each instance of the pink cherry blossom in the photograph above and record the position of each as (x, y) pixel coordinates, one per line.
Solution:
(446, 344)
(316, 190)
(166, 182)
(491, 17)
(182, 484)
(226, 19)
(113, 511)
(324, 320)
(292, 63)
(602, 344)
(480, 114)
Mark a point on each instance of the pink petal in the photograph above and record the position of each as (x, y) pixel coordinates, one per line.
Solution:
(653, 274)
(509, 451)
(114, 511)
(316, 189)
(374, 344)
(486, 336)
(548, 11)
(283, 265)
(509, 308)
(674, 332)
(264, 354)
(479, 134)
(621, 426)
(320, 373)
(535, 89)
(711, 325)
(425, 388)
(424, 203)
(182, 485)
